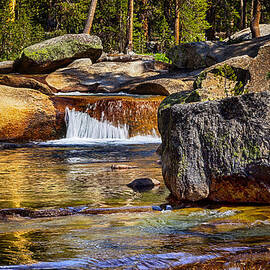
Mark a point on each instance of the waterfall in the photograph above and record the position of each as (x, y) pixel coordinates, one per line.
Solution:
(82, 125)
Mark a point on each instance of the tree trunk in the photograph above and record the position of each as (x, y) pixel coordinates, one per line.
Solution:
(177, 22)
(129, 46)
(145, 21)
(12, 5)
(243, 14)
(90, 17)
(211, 18)
(255, 22)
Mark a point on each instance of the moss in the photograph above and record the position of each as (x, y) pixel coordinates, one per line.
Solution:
(61, 49)
(182, 166)
(198, 82)
(234, 75)
(179, 98)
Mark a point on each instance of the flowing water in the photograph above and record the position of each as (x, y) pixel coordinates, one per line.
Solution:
(76, 172)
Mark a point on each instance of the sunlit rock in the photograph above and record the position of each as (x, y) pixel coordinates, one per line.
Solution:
(26, 115)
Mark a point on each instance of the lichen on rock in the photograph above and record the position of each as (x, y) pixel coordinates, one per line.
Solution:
(57, 52)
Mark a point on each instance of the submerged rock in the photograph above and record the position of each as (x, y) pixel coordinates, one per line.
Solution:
(143, 184)
(122, 167)
(26, 115)
(57, 52)
(217, 149)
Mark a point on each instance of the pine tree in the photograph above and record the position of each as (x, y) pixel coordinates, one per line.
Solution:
(90, 17)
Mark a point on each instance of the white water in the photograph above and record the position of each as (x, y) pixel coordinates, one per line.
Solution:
(82, 129)
(81, 125)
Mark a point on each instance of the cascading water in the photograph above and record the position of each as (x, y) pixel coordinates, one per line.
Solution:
(82, 125)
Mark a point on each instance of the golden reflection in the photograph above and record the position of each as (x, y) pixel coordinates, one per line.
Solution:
(19, 249)
(32, 178)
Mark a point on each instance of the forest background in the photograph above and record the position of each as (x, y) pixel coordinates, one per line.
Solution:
(157, 24)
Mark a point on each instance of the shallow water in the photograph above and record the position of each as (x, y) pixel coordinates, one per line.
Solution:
(57, 175)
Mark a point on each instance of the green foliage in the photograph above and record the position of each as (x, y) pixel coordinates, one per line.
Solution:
(162, 58)
(268, 75)
(43, 19)
(18, 33)
(193, 20)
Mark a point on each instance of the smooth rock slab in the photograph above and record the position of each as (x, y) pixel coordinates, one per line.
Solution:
(25, 82)
(215, 149)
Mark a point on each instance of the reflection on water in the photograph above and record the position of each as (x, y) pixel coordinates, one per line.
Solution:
(60, 177)
(71, 176)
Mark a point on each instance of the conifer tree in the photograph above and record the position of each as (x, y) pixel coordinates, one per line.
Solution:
(90, 17)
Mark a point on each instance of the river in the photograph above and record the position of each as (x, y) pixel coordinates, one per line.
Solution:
(76, 174)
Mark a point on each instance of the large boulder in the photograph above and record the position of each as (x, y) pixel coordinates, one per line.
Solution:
(57, 52)
(217, 150)
(26, 115)
(25, 82)
(245, 34)
(194, 55)
(204, 54)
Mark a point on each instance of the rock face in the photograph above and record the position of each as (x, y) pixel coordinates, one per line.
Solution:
(25, 82)
(57, 52)
(6, 67)
(259, 70)
(26, 115)
(204, 54)
(138, 114)
(217, 150)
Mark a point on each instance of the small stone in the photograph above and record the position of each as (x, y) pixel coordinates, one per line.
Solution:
(168, 207)
(156, 208)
